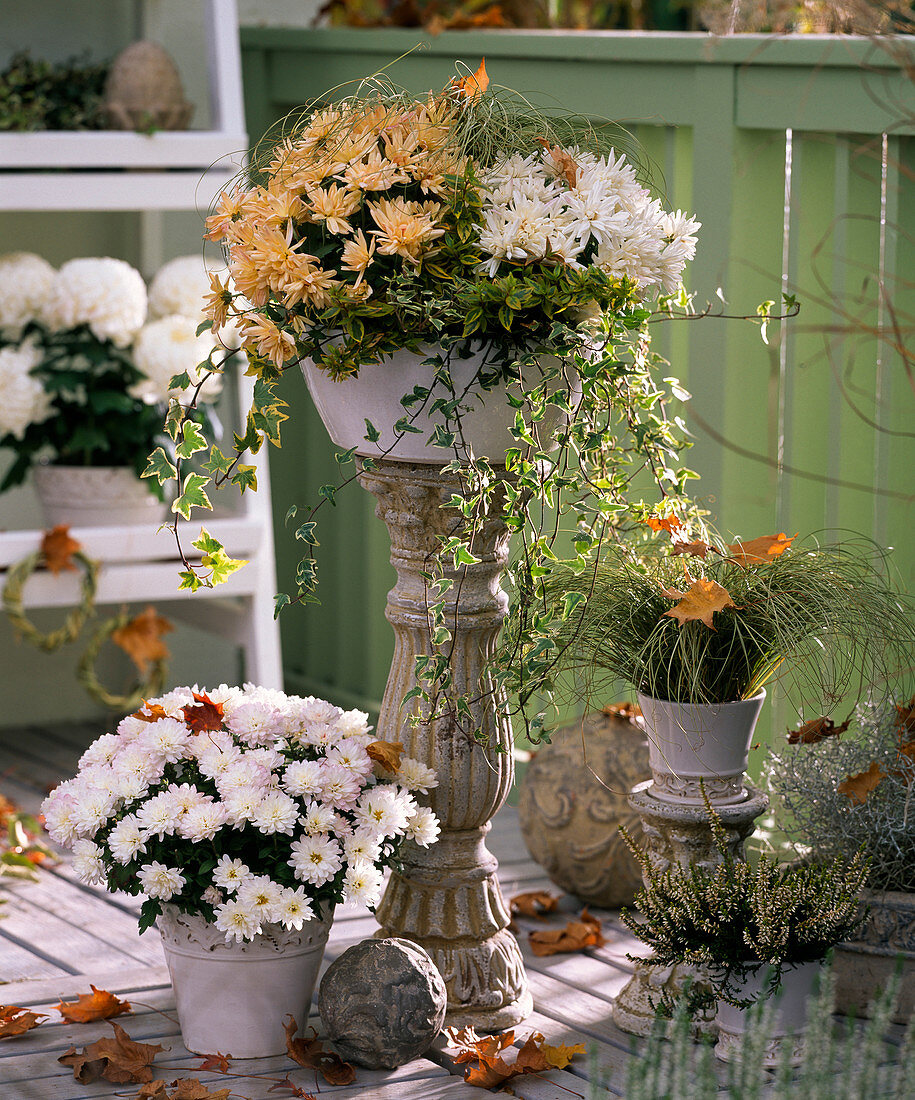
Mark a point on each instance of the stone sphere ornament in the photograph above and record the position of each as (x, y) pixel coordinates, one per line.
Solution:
(144, 91)
(573, 798)
(382, 1003)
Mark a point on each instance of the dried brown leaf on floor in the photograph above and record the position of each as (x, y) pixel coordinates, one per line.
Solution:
(119, 1060)
(17, 1021)
(97, 1005)
(493, 1059)
(535, 903)
(575, 936)
(189, 1088)
(294, 1090)
(307, 1051)
(217, 1063)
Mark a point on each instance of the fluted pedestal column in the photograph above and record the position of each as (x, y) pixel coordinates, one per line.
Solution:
(678, 834)
(447, 898)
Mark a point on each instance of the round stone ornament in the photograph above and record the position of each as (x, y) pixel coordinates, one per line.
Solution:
(382, 1003)
(573, 798)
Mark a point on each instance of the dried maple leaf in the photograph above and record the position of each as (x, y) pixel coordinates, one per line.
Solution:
(218, 1063)
(563, 164)
(470, 1046)
(203, 715)
(155, 1090)
(699, 603)
(472, 86)
(697, 549)
(58, 549)
(141, 638)
(119, 1059)
(294, 1089)
(17, 1021)
(97, 1005)
(664, 523)
(535, 903)
(493, 1056)
(559, 1057)
(576, 936)
(189, 1088)
(307, 1051)
(858, 787)
(815, 731)
(386, 753)
(765, 548)
(905, 720)
(150, 712)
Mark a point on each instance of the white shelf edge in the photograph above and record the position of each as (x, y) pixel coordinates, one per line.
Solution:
(120, 149)
(106, 191)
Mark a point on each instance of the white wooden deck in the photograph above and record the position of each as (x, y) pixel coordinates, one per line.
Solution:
(57, 936)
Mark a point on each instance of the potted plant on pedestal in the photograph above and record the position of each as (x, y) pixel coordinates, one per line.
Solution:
(753, 931)
(851, 786)
(86, 365)
(244, 816)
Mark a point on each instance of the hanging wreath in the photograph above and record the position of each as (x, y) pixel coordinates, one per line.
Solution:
(141, 639)
(57, 553)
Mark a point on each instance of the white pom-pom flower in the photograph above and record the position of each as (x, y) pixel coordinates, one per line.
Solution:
(23, 400)
(106, 294)
(171, 346)
(180, 286)
(25, 284)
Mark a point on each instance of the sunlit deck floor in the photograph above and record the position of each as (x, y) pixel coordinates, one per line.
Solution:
(57, 936)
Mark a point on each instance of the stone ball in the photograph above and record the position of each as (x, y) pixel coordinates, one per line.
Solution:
(574, 796)
(382, 1003)
(144, 91)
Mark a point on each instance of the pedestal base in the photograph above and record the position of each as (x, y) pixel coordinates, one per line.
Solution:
(678, 834)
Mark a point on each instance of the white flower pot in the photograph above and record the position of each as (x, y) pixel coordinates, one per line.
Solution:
(95, 496)
(375, 396)
(790, 1019)
(233, 998)
(691, 746)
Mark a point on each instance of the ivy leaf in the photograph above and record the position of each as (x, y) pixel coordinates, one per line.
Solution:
(307, 533)
(329, 492)
(217, 463)
(159, 466)
(280, 600)
(180, 381)
(245, 477)
(193, 440)
(174, 418)
(371, 432)
(189, 579)
(192, 496)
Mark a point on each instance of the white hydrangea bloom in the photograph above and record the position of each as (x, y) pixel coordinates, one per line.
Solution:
(159, 881)
(23, 400)
(25, 283)
(106, 294)
(167, 347)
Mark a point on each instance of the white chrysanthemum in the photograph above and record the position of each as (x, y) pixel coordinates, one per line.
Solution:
(352, 723)
(316, 859)
(313, 710)
(262, 895)
(212, 896)
(341, 787)
(351, 753)
(268, 756)
(159, 881)
(382, 811)
(107, 295)
(277, 813)
(134, 760)
(415, 776)
(130, 728)
(173, 702)
(160, 815)
(214, 758)
(127, 839)
(304, 777)
(93, 808)
(202, 822)
(23, 400)
(362, 845)
(423, 827)
(243, 774)
(168, 347)
(256, 723)
(317, 818)
(229, 873)
(87, 862)
(102, 751)
(363, 883)
(294, 908)
(166, 739)
(25, 283)
(59, 811)
(180, 286)
(241, 806)
(238, 921)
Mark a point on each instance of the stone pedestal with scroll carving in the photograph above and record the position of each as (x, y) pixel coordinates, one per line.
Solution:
(447, 897)
(678, 834)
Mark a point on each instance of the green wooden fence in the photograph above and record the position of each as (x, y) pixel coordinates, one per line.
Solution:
(798, 156)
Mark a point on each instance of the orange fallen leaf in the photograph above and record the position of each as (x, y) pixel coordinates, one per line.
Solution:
(294, 1090)
(576, 936)
(664, 523)
(119, 1060)
(97, 1005)
(815, 731)
(858, 787)
(141, 638)
(626, 712)
(150, 712)
(699, 603)
(697, 549)
(58, 549)
(218, 1063)
(307, 1051)
(905, 718)
(155, 1090)
(386, 753)
(17, 1021)
(491, 1058)
(189, 1088)
(203, 715)
(472, 86)
(490, 17)
(535, 903)
(765, 548)
(563, 163)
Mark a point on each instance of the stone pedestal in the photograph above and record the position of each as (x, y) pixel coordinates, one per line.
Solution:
(678, 834)
(447, 897)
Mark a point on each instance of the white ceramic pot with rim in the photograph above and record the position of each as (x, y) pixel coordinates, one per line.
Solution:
(233, 998)
(791, 1000)
(95, 496)
(375, 395)
(692, 746)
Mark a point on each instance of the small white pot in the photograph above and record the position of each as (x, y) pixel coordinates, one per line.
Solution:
(691, 746)
(375, 395)
(95, 496)
(233, 998)
(791, 1000)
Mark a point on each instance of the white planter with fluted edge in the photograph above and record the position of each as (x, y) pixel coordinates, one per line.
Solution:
(693, 746)
(376, 393)
(791, 1000)
(95, 496)
(233, 998)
